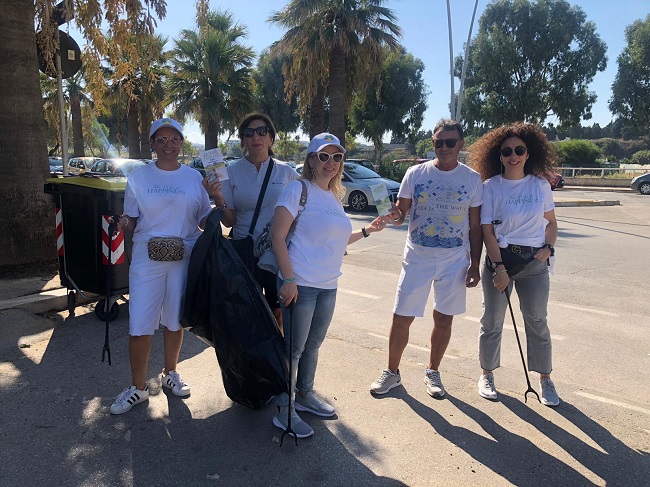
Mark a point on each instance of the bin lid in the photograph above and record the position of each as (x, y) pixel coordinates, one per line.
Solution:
(108, 183)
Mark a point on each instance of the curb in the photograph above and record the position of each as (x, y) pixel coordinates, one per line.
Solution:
(51, 300)
(567, 203)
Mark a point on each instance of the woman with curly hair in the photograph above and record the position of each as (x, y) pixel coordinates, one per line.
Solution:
(517, 216)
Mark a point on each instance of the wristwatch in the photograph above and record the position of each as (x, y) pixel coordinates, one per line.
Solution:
(549, 247)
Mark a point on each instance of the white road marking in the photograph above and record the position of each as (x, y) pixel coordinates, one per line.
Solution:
(417, 347)
(612, 402)
(357, 293)
(581, 308)
(510, 327)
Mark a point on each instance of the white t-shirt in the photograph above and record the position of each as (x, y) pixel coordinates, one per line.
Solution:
(322, 232)
(242, 189)
(520, 206)
(166, 203)
(440, 203)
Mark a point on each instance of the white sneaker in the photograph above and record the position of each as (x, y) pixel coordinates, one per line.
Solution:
(313, 404)
(486, 386)
(549, 394)
(433, 382)
(387, 381)
(129, 398)
(174, 382)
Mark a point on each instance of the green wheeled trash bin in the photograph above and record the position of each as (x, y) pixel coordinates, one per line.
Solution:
(83, 206)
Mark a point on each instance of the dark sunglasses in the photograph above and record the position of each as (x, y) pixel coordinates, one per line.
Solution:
(450, 143)
(325, 156)
(261, 131)
(520, 150)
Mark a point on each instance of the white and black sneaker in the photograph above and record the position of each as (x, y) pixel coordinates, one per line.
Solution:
(172, 380)
(129, 398)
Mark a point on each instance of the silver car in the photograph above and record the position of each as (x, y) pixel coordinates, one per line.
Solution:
(357, 180)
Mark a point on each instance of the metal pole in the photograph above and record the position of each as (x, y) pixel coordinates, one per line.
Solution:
(451, 62)
(462, 76)
(64, 132)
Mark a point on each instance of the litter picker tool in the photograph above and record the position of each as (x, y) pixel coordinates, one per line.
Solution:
(288, 429)
(523, 361)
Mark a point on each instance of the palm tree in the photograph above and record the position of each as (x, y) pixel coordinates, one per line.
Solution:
(75, 92)
(339, 38)
(211, 76)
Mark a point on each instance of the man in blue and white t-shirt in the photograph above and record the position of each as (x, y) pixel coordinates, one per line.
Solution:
(443, 247)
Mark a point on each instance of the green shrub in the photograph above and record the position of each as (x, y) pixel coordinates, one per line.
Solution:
(577, 153)
(641, 157)
(389, 169)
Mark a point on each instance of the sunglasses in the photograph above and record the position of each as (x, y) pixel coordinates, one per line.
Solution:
(326, 156)
(175, 141)
(450, 143)
(261, 131)
(520, 150)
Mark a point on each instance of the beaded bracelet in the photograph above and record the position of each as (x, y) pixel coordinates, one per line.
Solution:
(499, 272)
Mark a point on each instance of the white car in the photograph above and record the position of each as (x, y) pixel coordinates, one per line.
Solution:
(357, 180)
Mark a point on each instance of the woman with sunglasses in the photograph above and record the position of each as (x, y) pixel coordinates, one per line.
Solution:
(310, 268)
(162, 199)
(242, 189)
(517, 215)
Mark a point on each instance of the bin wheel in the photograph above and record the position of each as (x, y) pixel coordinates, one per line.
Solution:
(72, 302)
(102, 315)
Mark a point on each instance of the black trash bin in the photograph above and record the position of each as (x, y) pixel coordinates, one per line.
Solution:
(83, 205)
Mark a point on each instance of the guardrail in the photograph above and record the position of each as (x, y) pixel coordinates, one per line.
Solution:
(599, 172)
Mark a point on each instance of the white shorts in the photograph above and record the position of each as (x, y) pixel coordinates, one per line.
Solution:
(448, 277)
(156, 291)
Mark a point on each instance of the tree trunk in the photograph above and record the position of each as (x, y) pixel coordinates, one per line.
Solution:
(317, 112)
(133, 130)
(145, 125)
(337, 92)
(27, 216)
(77, 128)
(211, 135)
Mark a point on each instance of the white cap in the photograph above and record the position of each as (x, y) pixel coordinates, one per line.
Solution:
(166, 122)
(320, 141)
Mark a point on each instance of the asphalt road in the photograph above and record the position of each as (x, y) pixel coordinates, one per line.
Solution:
(55, 428)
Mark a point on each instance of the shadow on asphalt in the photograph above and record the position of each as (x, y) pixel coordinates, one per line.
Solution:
(56, 428)
(521, 462)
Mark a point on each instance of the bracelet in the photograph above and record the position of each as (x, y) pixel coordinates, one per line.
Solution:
(499, 272)
(363, 231)
(289, 279)
(497, 264)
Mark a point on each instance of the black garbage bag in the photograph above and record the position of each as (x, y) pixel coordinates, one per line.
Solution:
(225, 308)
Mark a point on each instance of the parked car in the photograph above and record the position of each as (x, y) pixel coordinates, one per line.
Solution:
(56, 165)
(122, 167)
(78, 165)
(364, 163)
(357, 180)
(641, 184)
(197, 164)
(554, 179)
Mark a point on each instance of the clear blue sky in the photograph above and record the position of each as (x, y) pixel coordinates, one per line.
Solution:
(424, 25)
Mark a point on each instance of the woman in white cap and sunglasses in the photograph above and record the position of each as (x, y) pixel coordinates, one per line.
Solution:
(310, 268)
(162, 199)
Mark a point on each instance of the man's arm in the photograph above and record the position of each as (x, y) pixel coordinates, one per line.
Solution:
(475, 246)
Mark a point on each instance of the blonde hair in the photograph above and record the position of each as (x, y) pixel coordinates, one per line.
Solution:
(335, 184)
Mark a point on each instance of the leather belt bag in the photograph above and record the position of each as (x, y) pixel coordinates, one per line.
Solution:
(166, 249)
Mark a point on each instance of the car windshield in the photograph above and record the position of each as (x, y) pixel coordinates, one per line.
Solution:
(359, 172)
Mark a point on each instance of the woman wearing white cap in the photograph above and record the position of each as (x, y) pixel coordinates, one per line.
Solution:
(310, 268)
(162, 199)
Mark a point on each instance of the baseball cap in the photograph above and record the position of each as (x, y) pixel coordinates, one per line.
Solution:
(165, 122)
(321, 141)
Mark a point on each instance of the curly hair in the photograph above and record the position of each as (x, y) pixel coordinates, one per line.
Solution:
(485, 156)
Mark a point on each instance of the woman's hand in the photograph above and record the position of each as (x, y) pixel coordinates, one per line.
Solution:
(543, 254)
(377, 225)
(288, 293)
(501, 279)
(213, 186)
(121, 223)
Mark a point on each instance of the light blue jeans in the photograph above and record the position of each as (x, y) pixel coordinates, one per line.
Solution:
(532, 287)
(312, 315)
